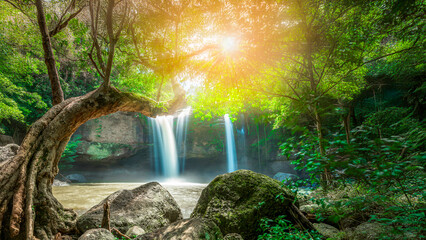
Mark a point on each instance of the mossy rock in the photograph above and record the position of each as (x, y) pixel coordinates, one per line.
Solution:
(237, 201)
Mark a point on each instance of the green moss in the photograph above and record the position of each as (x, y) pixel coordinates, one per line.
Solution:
(232, 201)
(100, 151)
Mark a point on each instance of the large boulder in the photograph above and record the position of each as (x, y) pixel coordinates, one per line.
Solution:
(9, 151)
(237, 201)
(97, 234)
(187, 229)
(149, 206)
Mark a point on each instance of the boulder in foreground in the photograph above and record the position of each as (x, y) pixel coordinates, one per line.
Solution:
(149, 206)
(237, 201)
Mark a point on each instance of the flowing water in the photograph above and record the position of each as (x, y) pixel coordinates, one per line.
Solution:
(166, 146)
(181, 132)
(231, 153)
(170, 146)
(81, 197)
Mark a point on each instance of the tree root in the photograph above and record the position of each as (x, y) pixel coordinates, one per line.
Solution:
(27, 206)
(300, 218)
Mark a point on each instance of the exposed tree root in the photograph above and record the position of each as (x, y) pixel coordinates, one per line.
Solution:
(28, 210)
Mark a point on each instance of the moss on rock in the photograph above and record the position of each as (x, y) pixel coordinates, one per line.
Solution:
(237, 201)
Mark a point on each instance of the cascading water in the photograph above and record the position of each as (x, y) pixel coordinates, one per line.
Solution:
(165, 145)
(169, 146)
(181, 132)
(231, 153)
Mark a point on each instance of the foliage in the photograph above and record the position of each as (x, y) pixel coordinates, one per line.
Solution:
(282, 229)
(69, 154)
(383, 165)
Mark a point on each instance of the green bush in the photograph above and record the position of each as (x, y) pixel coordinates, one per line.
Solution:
(282, 229)
(69, 153)
(383, 164)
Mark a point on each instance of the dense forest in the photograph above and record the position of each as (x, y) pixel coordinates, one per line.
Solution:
(341, 83)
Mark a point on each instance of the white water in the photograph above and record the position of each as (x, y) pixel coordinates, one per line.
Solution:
(231, 153)
(169, 145)
(165, 146)
(181, 132)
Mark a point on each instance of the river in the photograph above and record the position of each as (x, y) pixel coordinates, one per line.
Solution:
(81, 197)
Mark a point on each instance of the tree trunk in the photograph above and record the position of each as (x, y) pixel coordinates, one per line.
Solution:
(347, 126)
(326, 178)
(28, 210)
(49, 59)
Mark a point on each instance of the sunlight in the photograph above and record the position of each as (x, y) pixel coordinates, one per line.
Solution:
(229, 44)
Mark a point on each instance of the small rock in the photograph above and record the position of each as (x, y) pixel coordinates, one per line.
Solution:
(9, 151)
(328, 231)
(57, 182)
(286, 178)
(233, 236)
(309, 208)
(368, 231)
(97, 234)
(76, 178)
(187, 229)
(135, 231)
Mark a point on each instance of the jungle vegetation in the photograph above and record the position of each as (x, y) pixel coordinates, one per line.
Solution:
(341, 82)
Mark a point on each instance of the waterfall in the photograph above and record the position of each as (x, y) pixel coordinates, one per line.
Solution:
(231, 153)
(169, 145)
(181, 132)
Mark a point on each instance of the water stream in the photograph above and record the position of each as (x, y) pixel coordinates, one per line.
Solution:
(170, 145)
(231, 153)
(181, 132)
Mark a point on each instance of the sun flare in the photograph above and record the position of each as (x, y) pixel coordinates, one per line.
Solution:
(229, 44)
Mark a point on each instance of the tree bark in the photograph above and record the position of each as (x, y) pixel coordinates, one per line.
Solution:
(49, 59)
(106, 218)
(326, 177)
(28, 209)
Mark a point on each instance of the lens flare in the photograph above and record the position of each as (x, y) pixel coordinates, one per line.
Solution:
(229, 44)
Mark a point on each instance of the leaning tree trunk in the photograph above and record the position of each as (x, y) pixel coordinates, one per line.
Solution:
(28, 210)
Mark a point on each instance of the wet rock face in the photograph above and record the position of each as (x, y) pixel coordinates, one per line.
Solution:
(107, 140)
(149, 206)
(187, 229)
(237, 201)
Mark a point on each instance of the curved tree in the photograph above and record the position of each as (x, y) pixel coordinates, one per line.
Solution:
(28, 209)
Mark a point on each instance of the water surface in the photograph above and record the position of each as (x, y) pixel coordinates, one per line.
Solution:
(81, 197)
